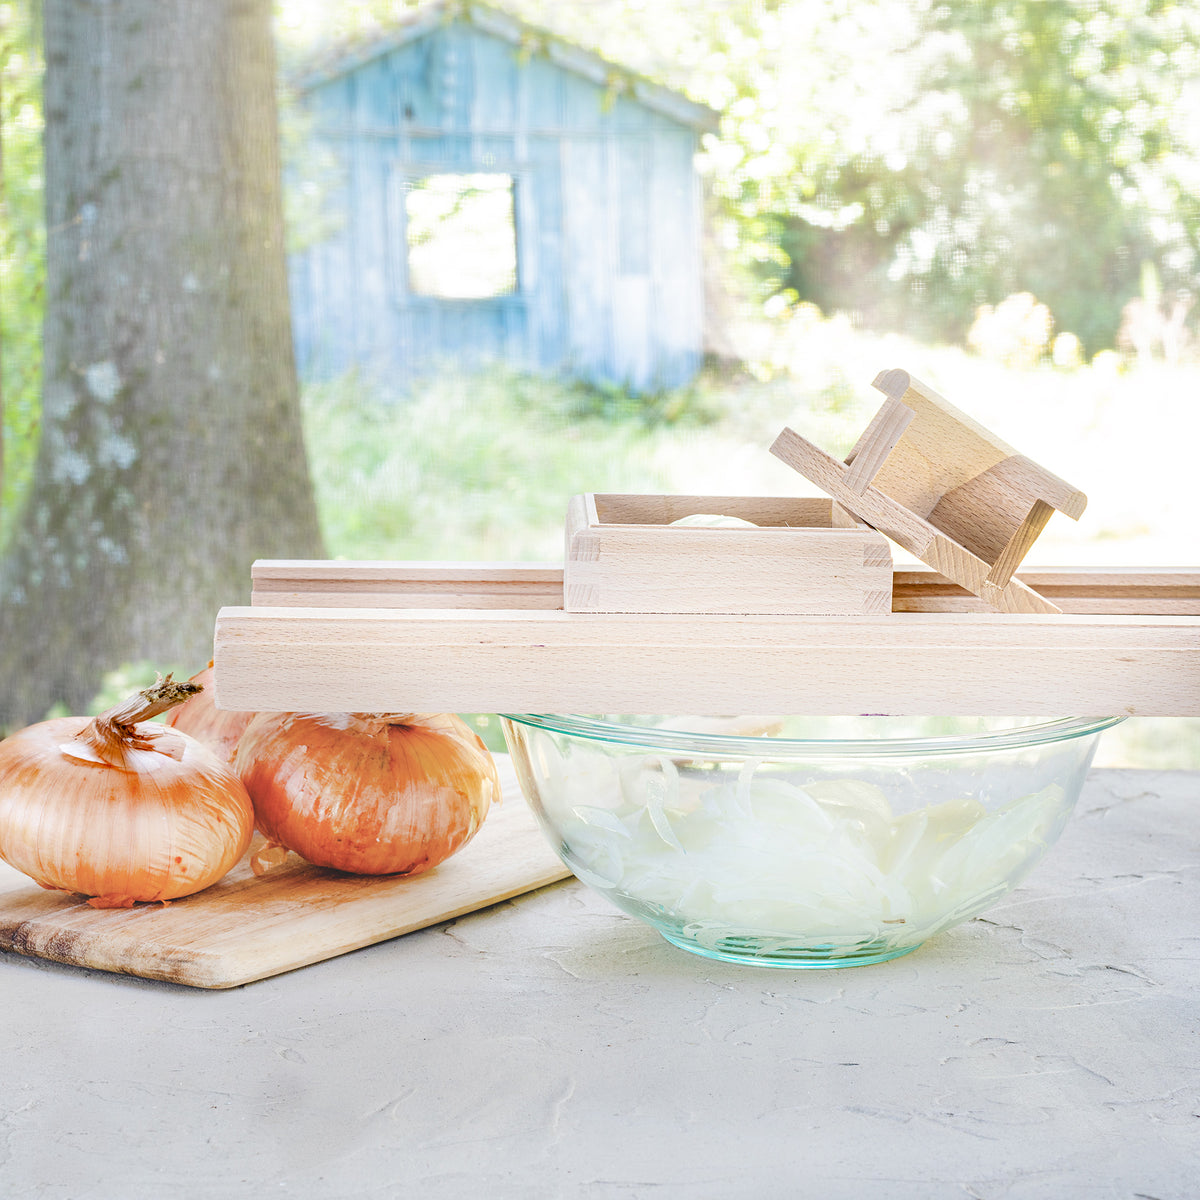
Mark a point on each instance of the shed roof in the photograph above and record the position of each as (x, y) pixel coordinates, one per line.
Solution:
(346, 57)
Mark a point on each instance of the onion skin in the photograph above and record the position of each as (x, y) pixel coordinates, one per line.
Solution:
(170, 821)
(219, 729)
(369, 794)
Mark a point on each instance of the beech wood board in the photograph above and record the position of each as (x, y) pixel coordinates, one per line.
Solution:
(301, 583)
(247, 928)
(494, 637)
(542, 661)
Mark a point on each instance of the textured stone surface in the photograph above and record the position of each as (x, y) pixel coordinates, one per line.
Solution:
(552, 1047)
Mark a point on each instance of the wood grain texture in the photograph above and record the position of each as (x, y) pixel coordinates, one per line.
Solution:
(320, 584)
(624, 555)
(1004, 565)
(944, 448)
(510, 661)
(946, 555)
(661, 509)
(1117, 591)
(945, 488)
(246, 928)
(607, 210)
(876, 443)
(950, 558)
(983, 513)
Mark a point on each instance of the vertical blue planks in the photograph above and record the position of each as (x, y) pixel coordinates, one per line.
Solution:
(587, 257)
(606, 215)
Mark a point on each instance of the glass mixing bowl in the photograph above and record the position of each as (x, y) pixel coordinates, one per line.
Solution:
(801, 842)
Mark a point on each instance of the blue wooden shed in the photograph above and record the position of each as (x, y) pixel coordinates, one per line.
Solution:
(499, 194)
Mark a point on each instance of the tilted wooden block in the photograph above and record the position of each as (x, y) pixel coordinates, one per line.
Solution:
(943, 487)
(802, 557)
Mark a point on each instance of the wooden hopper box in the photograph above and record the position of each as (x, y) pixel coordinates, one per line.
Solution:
(804, 557)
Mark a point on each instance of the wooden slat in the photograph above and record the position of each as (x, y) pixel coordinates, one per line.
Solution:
(876, 443)
(536, 661)
(628, 508)
(1113, 591)
(303, 584)
(1009, 558)
(1117, 591)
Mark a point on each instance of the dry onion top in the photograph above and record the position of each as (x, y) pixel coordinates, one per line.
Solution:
(219, 729)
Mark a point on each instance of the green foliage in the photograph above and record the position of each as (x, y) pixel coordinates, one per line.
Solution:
(312, 179)
(22, 252)
(1070, 132)
(487, 726)
(121, 683)
(909, 161)
(574, 400)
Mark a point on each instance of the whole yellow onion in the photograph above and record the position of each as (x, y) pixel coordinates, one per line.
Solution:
(119, 808)
(374, 794)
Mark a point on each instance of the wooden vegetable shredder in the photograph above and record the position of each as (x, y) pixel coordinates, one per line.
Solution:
(784, 606)
(787, 606)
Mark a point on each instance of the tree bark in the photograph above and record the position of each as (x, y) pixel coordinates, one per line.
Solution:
(171, 451)
(3, 231)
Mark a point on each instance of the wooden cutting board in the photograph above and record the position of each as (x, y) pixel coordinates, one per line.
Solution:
(246, 928)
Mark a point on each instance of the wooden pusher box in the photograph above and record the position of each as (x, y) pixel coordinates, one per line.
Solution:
(627, 554)
(751, 605)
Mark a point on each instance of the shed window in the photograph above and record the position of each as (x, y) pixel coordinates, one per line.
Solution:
(462, 238)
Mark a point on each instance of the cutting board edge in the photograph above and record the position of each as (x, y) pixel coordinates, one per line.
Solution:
(221, 970)
(277, 968)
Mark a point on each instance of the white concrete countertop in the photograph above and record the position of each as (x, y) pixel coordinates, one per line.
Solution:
(553, 1047)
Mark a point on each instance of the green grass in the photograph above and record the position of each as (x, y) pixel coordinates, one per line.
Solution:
(472, 467)
(480, 467)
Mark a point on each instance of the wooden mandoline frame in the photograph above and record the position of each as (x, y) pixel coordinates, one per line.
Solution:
(496, 638)
(643, 620)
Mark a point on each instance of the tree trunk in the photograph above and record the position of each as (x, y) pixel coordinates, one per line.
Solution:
(171, 453)
(3, 233)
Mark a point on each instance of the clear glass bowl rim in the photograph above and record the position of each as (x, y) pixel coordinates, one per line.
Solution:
(1038, 731)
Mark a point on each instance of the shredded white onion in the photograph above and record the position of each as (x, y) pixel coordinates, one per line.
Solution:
(718, 850)
(715, 521)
